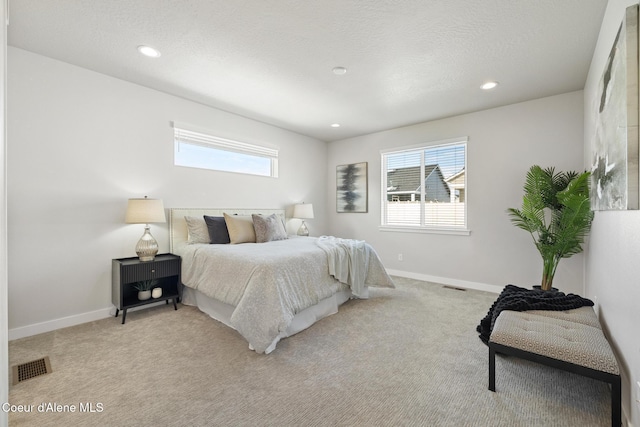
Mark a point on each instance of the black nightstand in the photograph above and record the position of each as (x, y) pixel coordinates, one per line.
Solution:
(165, 269)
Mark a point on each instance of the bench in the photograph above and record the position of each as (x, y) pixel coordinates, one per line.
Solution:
(570, 340)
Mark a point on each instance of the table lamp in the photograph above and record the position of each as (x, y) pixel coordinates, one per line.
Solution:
(303, 211)
(145, 211)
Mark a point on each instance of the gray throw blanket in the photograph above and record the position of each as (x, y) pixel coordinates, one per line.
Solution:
(515, 298)
(348, 261)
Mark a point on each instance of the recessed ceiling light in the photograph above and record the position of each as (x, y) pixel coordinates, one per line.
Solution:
(489, 85)
(338, 71)
(148, 51)
(335, 125)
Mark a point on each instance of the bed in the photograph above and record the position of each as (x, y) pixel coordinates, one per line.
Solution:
(272, 290)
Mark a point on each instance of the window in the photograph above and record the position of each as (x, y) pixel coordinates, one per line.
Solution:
(424, 188)
(199, 150)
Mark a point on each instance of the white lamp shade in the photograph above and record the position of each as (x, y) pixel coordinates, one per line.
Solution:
(303, 211)
(144, 211)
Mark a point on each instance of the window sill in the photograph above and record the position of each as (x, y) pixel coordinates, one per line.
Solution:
(405, 229)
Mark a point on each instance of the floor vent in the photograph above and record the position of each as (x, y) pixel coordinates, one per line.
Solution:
(31, 369)
(454, 288)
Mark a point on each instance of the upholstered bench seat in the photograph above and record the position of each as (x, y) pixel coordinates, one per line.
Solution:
(550, 336)
(571, 340)
(584, 315)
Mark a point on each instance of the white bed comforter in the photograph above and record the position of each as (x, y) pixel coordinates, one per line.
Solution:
(268, 283)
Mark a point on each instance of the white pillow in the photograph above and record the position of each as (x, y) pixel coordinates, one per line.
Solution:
(197, 229)
(240, 229)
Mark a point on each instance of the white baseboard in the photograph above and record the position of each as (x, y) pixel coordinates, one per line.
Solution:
(77, 319)
(447, 281)
(64, 322)
(52, 325)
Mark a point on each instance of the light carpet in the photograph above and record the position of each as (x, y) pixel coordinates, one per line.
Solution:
(408, 356)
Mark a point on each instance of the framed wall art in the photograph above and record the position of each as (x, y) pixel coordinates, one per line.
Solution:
(614, 170)
(351, 188)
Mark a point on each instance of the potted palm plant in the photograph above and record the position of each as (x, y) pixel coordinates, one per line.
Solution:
(556, 211)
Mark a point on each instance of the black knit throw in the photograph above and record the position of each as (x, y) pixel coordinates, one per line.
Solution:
(516, 298)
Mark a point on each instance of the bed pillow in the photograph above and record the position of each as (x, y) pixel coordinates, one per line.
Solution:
(240, 229)
(197, 230)
(218, 233)
(268, 228)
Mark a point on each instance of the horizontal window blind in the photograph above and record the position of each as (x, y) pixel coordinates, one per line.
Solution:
(199, 150)
(196, 138)
(425, 186)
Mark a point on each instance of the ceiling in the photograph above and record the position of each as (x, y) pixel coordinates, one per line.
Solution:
(408, 61)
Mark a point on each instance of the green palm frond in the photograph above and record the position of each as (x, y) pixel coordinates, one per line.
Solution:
(537, 187)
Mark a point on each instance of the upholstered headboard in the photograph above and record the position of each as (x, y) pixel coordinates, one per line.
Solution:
(178, 226)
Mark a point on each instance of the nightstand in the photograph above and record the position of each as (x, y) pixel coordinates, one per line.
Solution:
(165, 269)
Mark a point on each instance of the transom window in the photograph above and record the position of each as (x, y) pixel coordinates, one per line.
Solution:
(424, 187)
(199, 150)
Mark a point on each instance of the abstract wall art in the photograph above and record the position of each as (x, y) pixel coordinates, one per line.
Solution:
(351, 187)
(614, 170)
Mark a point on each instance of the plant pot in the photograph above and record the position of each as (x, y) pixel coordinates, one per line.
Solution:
(144, 295)
(156, 293)
(539, 288)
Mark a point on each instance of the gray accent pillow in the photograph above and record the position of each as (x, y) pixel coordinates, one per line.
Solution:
(218, 232)
(268, 228)
(197, 230)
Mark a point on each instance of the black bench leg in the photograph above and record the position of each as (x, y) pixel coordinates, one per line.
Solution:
(492, 369)
(616, 400)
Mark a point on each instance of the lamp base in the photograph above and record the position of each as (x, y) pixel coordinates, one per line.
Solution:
(303, 230)
(147, 247)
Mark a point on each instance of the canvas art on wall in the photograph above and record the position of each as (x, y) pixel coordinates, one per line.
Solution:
(614, 179)
(351, 188)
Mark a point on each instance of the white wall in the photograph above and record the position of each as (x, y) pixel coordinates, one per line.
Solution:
(612, 267)
(79, 145)
(4, 334)
(503, 144)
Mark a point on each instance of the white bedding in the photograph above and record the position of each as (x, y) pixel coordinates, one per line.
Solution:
(267, 284)
(301, 321)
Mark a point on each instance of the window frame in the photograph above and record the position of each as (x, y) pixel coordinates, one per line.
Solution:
(189, 135)
(454, 230)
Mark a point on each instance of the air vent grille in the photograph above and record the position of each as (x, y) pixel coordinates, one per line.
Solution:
(31, 369)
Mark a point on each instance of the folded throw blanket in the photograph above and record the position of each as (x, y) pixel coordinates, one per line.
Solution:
(515, 298)
(348, 261)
